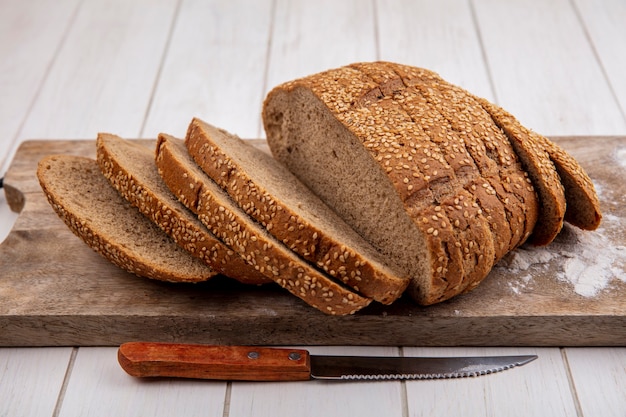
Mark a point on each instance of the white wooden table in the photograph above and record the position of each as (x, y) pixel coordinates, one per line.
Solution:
(72, 68)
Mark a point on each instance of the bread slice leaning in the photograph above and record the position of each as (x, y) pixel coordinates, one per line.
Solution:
(131, 169)
(106, 222)
(246, 237)
(289, 211)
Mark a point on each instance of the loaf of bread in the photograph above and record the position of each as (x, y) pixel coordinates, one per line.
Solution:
(441, 182)
(106, 222)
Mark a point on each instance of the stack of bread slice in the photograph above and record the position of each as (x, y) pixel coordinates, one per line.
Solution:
(384, 180)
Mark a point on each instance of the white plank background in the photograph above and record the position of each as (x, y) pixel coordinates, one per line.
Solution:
(213, 69)
(559, 87)
(72, 68)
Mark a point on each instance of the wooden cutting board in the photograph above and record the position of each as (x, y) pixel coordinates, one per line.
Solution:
(55, 291)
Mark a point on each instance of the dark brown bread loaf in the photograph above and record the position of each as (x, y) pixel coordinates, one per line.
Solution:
(426, 172)
(274, 197)
(246, 237)
(107, 223)
(130, 168)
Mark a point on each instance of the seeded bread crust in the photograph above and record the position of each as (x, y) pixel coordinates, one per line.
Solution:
(471, 142)
(434, 106)
(437, 147)
(274, 197)
(130, 168)
(541, 170)
(583, 206)
(239, 232)
(106, 222)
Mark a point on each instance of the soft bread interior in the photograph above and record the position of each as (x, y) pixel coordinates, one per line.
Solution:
(305, 136)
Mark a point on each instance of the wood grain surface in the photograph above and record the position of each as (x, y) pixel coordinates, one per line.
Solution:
(55, 291)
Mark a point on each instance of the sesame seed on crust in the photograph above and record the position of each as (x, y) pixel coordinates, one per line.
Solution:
(437, 144)
(446, 266)
(496, 213)
(488, 148)
(473, 233)
(283, 266)
(475, 239)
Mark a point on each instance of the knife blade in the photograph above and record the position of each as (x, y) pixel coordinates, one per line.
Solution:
(252, 363)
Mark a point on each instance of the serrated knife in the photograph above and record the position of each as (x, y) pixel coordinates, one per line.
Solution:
(252, 363)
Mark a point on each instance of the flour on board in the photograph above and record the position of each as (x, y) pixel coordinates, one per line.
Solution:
(620, 156)
(588, 261)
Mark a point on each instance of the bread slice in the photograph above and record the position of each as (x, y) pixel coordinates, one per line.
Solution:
(246, 237)
(130, 168)
(107, 223)
(275, 198)
(424, 187)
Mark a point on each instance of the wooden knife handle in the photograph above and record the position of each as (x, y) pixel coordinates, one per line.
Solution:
(237, 363)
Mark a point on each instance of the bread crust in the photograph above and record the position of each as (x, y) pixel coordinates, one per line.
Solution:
(250, 240)
(132, 171)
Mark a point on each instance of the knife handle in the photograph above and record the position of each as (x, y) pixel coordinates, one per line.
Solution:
(231, 363)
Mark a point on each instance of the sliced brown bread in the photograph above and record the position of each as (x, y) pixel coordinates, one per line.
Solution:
(421, 107)
(130, 168)
(470, 143)
(110, 225)
(583, 206)
(368, 136)
(274, 197)
(541, 170)
(471, 128)
(246, 237)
